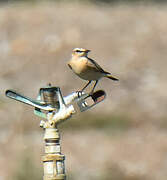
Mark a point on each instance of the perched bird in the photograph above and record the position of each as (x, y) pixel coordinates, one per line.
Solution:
(86, 68)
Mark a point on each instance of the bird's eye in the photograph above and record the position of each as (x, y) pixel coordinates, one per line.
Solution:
(78, 51)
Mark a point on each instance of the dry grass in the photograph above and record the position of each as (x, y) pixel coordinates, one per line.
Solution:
(130, 41)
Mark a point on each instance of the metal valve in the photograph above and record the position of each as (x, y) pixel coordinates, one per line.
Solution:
(86, 101)
(50, 104)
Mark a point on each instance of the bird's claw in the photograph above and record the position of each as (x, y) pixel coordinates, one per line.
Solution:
(80, 93)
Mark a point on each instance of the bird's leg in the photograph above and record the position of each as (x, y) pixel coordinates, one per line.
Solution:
(80, 92)
(86, 86)
(93, 87)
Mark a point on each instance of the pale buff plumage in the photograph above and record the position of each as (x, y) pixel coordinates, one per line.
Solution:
(87, 68)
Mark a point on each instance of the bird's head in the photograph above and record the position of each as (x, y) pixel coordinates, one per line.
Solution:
(80, 52)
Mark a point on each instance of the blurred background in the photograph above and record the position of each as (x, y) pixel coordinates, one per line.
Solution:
(122, 138)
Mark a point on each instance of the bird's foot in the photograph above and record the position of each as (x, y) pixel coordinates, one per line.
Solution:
(91, 93)
(80, 93)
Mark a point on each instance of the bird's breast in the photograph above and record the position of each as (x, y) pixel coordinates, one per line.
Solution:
(78, 66)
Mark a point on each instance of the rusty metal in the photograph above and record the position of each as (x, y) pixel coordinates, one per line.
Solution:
(55, 109)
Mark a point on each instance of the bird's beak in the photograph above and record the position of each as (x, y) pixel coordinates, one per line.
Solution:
(88, 50)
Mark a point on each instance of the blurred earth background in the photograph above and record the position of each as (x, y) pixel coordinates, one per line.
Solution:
(122, 138)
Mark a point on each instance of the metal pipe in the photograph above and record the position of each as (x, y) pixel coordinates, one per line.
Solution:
(53, 160)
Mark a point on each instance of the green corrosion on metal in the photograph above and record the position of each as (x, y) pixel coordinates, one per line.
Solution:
(40, 113)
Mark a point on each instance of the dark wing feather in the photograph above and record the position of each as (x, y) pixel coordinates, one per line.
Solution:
(69, 66)
(98, 66)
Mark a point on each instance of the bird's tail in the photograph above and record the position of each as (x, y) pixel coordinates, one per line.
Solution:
(111, 77)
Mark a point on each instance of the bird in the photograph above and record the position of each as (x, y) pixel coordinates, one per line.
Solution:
(87, 68)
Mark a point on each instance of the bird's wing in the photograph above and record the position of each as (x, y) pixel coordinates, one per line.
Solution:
(97, 66)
